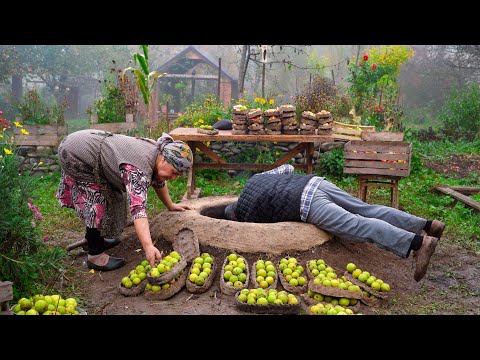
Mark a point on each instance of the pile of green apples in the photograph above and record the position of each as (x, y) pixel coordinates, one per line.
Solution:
(201, 269)
(376, 284)
(261, 297)
(330, 309)
(292, 271)
(157, 288)
(342, 301)
(165, 264)
(46, 305)
(265, 273)
(235, 272)
(136, 276)
(325, 275)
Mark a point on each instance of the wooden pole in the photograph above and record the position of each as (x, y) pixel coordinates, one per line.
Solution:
(263, 80)
(333, 76)
(358, 54)
(219, 78)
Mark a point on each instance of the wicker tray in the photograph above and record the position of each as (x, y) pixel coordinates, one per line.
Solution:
(168, 293)
(253, 278)
(267, 308)
(194, 288)
(169, 275)
(208, 132)
(333, 291)
(310, 302)
(230, 290)
(134, 290)
(186, 244)
(378, 294)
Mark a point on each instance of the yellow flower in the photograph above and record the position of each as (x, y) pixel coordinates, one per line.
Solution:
(274, 142)
(200, 121)
(219, 118)
(208, 143)
(1, 136)
(186, 126)
(263, 101)
(8, 151)
(17, 124)
(24, 132)
(40, 163)
(257, 100)
(92, 271)
(271, 102)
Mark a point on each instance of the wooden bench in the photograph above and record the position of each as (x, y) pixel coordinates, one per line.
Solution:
(6, 295)
(382, 159)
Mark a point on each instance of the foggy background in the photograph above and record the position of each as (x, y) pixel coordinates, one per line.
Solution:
(75, 74)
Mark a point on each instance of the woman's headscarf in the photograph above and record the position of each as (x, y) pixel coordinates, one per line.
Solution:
(176, 152)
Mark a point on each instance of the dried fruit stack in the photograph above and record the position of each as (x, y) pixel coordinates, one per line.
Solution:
(255, 122)
(325, 120)
(308, 124)
(289, 121)
(240, 120)
(273, 122)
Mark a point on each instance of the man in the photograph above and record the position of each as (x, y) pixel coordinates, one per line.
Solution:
(280, 195)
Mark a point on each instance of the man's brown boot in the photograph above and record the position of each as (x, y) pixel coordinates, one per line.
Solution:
(436, 229)
(422, 256)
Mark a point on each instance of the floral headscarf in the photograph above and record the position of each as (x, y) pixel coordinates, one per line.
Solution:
(176, 152)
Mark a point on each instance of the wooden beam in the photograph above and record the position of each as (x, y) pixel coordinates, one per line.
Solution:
(189, 76)
(456, 195)
(207, 151)
(466, 190)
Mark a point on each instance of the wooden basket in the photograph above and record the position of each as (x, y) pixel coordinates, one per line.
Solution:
(168, 293)
(267, 308)
(194, 288)
(134, 290)
(230, 290)
(253, 279)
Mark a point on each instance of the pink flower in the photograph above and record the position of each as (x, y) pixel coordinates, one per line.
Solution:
(33, 224)
(365, 57)
(180, 114)
(46, 238)
(374, 66)
(36, 213)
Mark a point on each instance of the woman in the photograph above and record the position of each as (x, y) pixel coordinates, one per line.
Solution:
(101, 170)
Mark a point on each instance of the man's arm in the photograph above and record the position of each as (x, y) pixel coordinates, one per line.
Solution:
(282, 169)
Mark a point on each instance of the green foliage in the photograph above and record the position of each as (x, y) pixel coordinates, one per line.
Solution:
(35, 111)
(374, 86)
(24, 259)
(317, 96)
(331, 163)
(111, 106)
(461, 113)
(207, 111)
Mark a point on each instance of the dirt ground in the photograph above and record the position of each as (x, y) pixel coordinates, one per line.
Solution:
(450, 287)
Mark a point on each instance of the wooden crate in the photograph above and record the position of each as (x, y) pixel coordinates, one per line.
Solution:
(388, 158)
(6, 294)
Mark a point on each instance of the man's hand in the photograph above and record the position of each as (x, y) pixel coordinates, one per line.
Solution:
(179, 207)
(152, 253)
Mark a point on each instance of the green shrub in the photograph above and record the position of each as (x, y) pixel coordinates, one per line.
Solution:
(331, 163)
(460, 114)
(36, 111)
(111, 106)
(205, 112)
(24, 258)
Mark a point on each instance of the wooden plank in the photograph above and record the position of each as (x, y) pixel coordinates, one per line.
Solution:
(207, 151)
(375, 164)
(6, 291)
(381, 136)
(191, 134)
(389, 172)
(379, 146)
(352, 132)
(466, 190)
(344, 137)
(238, 166)
(39, 140)
(360, 128)
(376, 156)
(456, 195)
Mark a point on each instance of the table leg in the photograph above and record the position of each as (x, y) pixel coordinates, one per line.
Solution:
(309, 157)
(191, 183)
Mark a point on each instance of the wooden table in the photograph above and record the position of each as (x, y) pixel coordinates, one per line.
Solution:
(196, 141)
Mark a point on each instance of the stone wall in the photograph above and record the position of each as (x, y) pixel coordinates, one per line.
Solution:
(32, 156)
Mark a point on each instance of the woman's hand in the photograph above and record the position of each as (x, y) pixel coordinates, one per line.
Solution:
(152, 253)
(179, 207)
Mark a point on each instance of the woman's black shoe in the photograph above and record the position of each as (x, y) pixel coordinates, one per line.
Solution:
(112, 264)
(107, 243)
